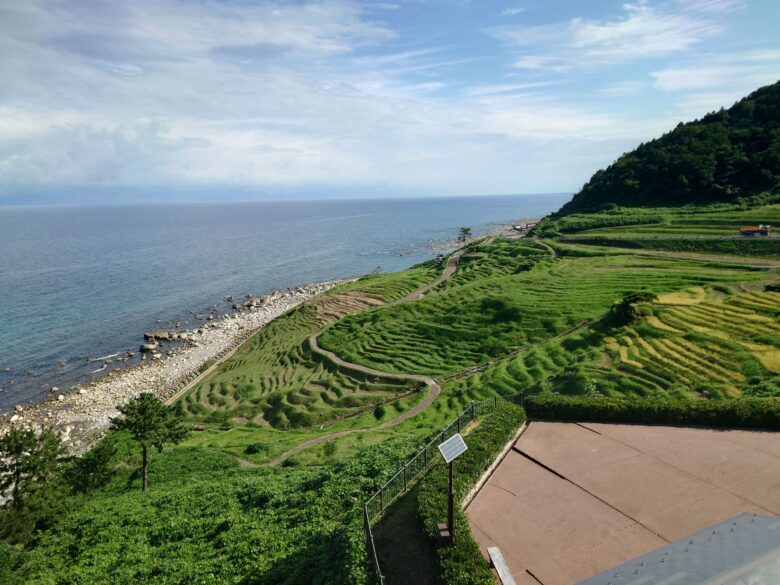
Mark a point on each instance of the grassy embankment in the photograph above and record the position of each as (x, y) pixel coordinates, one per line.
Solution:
(707, 229)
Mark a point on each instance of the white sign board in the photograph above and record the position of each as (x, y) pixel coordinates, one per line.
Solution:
(452, 447)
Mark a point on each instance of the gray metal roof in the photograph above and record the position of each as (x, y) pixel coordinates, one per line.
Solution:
(744, 550)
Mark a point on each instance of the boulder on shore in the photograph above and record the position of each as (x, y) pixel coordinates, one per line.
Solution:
(157, 334)
(151, 346)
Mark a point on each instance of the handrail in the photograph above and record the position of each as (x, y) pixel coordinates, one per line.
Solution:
(413, 468)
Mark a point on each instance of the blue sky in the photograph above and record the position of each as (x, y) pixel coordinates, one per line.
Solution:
(236, 99)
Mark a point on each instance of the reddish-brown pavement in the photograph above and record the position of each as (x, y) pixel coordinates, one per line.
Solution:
(572, 500)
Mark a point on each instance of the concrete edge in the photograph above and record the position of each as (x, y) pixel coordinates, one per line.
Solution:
(466, 501)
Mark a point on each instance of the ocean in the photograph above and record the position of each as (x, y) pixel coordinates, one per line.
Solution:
(78, 284)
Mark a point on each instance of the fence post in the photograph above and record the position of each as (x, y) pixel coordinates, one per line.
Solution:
(405, 477)
(426, 455)
(495, 401)
(473, 410)
(459, 423)
(381, 502)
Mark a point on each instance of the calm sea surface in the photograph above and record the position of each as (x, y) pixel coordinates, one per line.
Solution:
(81, 283)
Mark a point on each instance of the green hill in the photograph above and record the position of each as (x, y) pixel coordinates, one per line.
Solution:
(726, 155)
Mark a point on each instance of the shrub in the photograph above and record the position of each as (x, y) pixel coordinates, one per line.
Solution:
(379, 411)
(256, 448)
(761, 413)
(330, 449)
(628, 309)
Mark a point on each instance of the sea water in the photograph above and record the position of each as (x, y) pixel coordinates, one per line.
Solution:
(79, 284)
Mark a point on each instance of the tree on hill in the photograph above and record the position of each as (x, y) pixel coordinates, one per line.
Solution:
(28, 461)
(725, 155)
(464, 234)
(627, 309)
(31, 474)
(151, 423)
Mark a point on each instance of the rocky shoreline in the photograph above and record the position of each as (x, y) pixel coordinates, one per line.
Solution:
(82, 414)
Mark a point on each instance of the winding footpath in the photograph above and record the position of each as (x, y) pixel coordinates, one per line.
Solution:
(434, 389)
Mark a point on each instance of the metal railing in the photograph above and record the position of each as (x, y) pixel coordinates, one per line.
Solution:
(399, 483)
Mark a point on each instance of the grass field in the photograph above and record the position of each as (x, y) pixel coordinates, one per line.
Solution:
(274, 378)
(473, 319)
(515, 297)
(665, 222)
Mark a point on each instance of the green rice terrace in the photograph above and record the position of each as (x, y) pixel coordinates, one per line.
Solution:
(275, 379)
(472, 320)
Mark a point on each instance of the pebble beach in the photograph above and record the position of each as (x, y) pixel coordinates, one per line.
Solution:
(82, 414)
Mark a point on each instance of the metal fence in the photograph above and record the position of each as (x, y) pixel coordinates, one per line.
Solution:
(376, 505)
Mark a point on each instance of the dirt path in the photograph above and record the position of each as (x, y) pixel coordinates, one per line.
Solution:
(449, 270)
(550, 250)
(434, 389)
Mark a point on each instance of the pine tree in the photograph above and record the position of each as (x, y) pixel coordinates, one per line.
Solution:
(28, 460)
(151, 423)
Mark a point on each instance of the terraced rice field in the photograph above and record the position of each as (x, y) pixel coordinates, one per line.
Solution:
(677, 223)
(492, 308)
(711, 346)
(506, 297)
(274, 378)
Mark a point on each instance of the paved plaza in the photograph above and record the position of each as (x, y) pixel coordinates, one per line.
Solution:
(572, 500)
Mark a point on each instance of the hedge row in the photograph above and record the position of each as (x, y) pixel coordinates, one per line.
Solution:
(761, 413)
(463, 564)
(755, 246)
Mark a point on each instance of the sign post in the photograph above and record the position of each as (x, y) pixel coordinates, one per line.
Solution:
(450, 450)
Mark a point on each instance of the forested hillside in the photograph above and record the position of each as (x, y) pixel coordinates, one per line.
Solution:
(726, 155)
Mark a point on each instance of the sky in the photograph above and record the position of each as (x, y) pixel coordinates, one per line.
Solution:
(162, 100)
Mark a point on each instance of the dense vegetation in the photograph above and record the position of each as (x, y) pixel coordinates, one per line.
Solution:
(726, 155)
(205, 520)
(760, 413)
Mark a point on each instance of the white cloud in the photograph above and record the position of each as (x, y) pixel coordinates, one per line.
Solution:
(641, 31)
(738, 72)
(533, 118)
(512, 11)
(625, 88)
(543, 62)
(504, 88)
(700, 89)
(319, 92)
